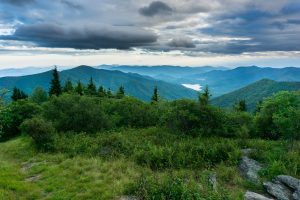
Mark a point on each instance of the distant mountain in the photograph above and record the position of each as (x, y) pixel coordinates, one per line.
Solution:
(26, 71)
(163, 72)
(135, 84)
(254, 93)
(224, 81)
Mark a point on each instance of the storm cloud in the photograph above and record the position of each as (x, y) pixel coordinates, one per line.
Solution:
(182, 42)
(156, 8)
(18, 2)
(215, 26)
(88, 37)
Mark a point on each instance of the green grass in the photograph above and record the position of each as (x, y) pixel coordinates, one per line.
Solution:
(111, 164)
(58, 176)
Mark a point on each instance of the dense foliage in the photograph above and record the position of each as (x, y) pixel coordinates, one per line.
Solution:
(160, 136)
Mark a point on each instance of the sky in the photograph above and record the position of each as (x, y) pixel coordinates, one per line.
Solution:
(145, 32)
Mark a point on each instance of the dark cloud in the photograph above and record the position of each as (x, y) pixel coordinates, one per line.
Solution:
(291, 8)
(90, 37)
(18, 2)
(182, 43)
(156, 8)
(72, 5)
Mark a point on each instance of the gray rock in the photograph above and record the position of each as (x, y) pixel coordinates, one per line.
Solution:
(296, 195)
(289, 181)
(247, 152)
(212, 180)
(278, 190)
(254, 196)
(250, 168)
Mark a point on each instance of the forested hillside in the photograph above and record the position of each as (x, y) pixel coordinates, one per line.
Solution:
(254, 93)
(134, 84)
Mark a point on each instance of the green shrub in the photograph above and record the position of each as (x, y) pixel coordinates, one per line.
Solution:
(76, 113)
(41, 131)
(170, 188)
(279, 116)
(132, 113)
(12, 115)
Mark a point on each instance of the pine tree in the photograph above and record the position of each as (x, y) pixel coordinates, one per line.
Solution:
(120, 93)
(204, 97)
(109, 93)
(55, 86)
(18, 94)
(155, 95)
(101, 92)
(91, 87)
(242, 106)
(68, 87)
(79, 88)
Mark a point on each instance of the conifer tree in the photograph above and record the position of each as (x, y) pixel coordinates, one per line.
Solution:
(101, 92)
(68, 87)
(109, 93)
(241, 106)
(155, 95)
(79, 88)
(18, 94)
(120, 93)
(91, 87)
(55, 86)
(204, 97)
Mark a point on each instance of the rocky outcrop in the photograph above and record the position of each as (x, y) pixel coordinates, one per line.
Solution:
(250, 168)
(212, 180)
(289, 181)
(254, 196)
(283, 187)
(278, 190)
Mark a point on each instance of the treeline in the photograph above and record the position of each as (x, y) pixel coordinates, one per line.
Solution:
(86, 109)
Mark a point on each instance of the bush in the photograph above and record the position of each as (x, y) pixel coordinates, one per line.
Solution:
(41, 131)
(133, 113)
(279, 116)
(13, 115)
(171, 188)
(76, 113)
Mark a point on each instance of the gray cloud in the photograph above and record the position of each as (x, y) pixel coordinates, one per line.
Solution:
(155, 8)
(72, 5)
(213, 26)
(181, 43)
(88, 37)
(18, 2)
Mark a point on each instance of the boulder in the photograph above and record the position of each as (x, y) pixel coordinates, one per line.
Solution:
(278, 190)
(212, 180)
(296, 195)
(289, 181)
(250, 168)
(247, 152)
(254, 196)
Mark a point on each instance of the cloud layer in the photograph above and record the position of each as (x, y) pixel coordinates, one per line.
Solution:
(190, 26)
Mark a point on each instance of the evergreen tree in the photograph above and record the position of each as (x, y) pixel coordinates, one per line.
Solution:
(109, 93)
(120, 93)
(79, 88)
(241, 106)
(155, 95)
(55, 86)
(204, 97)
(101, 92)
(91, 87)
(18, 94)
(39, 95)
(68, 87)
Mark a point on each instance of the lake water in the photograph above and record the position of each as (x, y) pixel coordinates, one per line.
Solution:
(196, 87)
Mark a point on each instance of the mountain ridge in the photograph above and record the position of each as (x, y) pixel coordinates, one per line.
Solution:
(135, 84)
